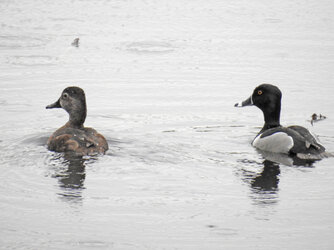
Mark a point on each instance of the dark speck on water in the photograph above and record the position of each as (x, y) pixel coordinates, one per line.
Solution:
(75, 42)
(211, 226)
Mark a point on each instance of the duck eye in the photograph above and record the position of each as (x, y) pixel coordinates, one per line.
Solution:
(259, 92)
(65, 95)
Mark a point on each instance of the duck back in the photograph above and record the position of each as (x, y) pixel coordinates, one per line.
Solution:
(291, 140)
(86, 141)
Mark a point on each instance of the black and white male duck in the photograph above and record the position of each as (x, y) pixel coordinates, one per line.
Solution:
(73, 136)
(292, 140)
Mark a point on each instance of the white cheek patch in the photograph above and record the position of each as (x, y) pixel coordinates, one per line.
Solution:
(277, 143)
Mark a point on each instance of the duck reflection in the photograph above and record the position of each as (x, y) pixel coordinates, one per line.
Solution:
(287, 160)
(268, 179)
(70, 173)
(74, 175)
(264, 184)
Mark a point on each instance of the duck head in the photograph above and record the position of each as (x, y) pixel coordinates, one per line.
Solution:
(73, 100)
(266, 97)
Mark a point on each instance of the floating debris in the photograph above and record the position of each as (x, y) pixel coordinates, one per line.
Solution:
(75, 42)
(316, 118)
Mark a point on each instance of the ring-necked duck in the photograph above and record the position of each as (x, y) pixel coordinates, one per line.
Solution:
(73, 136)
(316, 118)
(273, 137)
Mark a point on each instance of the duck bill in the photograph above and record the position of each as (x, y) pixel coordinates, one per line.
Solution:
(247, 102)
(54, 105)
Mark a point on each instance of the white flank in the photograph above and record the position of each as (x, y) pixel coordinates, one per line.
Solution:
(277, 143)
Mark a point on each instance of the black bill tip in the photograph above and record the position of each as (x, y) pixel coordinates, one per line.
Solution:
(54, 105)
(247, 102)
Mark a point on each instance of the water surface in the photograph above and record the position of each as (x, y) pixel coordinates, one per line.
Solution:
(161, 79)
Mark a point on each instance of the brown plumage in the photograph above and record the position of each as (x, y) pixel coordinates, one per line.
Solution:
(73, 136)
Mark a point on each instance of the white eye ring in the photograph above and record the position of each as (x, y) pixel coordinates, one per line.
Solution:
(65, 95)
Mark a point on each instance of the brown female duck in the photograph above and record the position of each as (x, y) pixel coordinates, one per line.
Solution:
(73, 136)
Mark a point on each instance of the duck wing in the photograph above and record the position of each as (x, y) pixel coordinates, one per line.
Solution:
(293, 140)
(305, 142)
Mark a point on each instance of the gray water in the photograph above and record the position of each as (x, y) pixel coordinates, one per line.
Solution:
(161, 79)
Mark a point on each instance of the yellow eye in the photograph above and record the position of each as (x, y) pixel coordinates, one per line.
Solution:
(259, 92)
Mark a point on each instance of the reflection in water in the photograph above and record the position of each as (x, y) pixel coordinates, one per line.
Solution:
(264, 184)
(286, 159)
(267, 180)
(70, 172)
(74, 176)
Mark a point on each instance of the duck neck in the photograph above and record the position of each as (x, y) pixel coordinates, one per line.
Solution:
(77, 118)
(271, 118)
